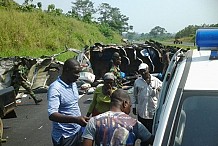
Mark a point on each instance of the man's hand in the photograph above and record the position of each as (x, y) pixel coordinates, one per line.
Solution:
(134, 111)
(82, 120)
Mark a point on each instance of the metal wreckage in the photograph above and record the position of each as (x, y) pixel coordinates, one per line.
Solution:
(95, 62)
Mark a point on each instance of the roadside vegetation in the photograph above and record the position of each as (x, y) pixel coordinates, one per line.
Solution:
(27, 30)
(37, 33)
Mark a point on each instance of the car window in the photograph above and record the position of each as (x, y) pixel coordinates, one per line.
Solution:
(197, 123)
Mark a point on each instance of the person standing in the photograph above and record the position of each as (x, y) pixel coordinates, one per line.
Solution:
(145, 96)
(63, 107)
(101, 99)
(116, 127)
(116, 61)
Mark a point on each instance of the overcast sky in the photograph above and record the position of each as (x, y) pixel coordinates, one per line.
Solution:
(173, 15)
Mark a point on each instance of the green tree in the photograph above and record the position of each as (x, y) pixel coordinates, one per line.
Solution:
(188, 31)
(104, 11)
(84, 9)
(51, 8)
(157, 30)
(39, 4)
(58, 11)
(113, 17)
(5, 3)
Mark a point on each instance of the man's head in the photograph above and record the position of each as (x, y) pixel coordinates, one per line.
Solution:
(143, 70)
(108, 79)
(116, 58)
(121, 99)
(71, 70)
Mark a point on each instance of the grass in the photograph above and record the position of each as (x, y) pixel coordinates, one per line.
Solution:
(38, 33)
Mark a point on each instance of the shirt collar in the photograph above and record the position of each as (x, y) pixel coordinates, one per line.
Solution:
(63, 83)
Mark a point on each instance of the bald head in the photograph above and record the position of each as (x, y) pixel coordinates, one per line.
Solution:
(71, 70)
(118, 97)
(70, 63)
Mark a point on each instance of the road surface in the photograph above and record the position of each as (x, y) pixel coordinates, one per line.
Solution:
(32, 126)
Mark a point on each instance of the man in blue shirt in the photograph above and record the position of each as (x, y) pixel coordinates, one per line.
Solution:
(63, 107)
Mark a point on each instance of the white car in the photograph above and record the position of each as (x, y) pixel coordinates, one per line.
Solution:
(188, 103)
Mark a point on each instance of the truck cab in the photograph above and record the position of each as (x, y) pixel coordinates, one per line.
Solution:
(187, 108)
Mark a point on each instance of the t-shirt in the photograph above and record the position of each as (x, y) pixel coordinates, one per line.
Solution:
(115, 129)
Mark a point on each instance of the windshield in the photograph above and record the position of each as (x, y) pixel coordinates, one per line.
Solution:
(197, 123)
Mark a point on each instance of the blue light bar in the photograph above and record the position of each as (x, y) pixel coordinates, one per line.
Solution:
(207, 39)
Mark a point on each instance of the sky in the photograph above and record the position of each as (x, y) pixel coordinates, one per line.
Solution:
(173, 15)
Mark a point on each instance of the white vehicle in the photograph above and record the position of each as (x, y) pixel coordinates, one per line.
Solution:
(188, 105)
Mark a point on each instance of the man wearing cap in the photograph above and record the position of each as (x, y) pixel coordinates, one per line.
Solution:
(145, 96)
(101, 99)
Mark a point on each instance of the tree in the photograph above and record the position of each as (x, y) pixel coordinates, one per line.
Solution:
(83, 8)
(104, 12)
(157, 30)
(51, 7)
(5, 3)
(113, 17)
(39, 4)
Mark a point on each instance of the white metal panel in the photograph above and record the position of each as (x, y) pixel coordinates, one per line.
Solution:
(203, 72)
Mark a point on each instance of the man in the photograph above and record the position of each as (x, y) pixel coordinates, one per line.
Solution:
(19, 78)
(63, 108)
(145, 96)
(116, 61)
(116, 127)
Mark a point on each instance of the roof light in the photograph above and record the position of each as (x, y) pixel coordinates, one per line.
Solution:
(207, 39)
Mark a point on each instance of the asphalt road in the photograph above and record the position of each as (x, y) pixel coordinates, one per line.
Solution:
(32, 126)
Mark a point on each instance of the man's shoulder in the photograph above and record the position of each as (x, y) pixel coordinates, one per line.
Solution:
(155, 79)
(118, 117)
(54, 84)
(139, 79)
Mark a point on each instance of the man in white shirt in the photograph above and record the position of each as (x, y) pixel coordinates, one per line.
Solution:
(145, 96)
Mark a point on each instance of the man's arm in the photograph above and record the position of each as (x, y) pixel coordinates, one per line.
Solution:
(54, 115)
(57, 117)
(89, 133)
(144, 135)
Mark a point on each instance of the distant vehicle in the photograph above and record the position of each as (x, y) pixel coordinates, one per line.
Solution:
(177, 41)
(188, 103)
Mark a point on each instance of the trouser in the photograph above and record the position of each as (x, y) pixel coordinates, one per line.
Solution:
(75, 140)
(148, 123)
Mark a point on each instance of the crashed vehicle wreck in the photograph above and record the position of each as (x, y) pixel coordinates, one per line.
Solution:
(95, 61)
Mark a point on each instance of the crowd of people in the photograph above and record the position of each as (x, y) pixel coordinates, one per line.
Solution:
(110, 123)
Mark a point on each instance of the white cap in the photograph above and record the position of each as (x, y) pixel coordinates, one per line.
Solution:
(143, 66)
